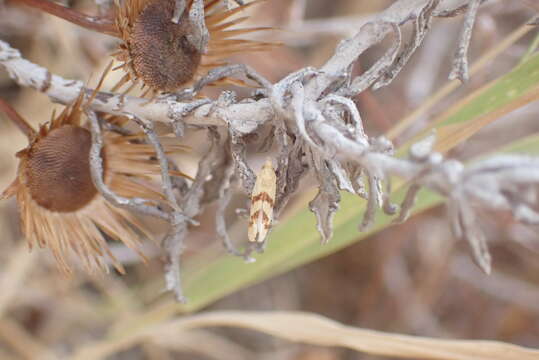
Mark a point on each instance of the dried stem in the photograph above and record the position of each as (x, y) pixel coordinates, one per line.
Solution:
(18, 120)
(139, 205)
(96, 23)
(460, 61)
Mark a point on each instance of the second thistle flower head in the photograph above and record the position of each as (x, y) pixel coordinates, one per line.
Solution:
(59, 206)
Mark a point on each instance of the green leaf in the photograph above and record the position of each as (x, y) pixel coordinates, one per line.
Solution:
(485, 105)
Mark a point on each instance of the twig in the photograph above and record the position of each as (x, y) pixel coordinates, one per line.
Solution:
(421, 27)
(225, 195)
(244, 117)
(96, 166)
(460, 61)
(152, 137)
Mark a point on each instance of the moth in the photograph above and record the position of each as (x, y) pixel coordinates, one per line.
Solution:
(262, 203)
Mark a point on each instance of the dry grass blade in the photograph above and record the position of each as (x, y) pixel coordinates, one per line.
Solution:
(442, 93)
(317, 330)
(452, 135)
(215, 346)
(22, 342)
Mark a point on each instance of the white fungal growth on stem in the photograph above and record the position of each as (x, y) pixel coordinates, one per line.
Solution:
(317, 127)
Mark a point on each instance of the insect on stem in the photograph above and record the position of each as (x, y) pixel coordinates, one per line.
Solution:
(262, 203)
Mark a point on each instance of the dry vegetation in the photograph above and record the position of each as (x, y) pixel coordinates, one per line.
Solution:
(415, 278)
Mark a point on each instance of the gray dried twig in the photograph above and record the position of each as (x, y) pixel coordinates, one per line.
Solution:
(460, 61)
(142, 206)
(225, 194)
(376, 71)
(421, 27)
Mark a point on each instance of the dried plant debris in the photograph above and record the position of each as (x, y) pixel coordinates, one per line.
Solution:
(316, 129)
(291, 167)
(326, 202)
(421, 27)
(225, 195)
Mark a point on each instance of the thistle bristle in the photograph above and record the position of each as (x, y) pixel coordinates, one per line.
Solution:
(124, 80)
(10, 190)
(225, 51)
(231, 33)
(221, 27)
(212, 65)
(221, 16)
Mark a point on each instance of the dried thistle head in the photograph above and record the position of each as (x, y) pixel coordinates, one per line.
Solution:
(165, 55)
(160, 53)
(59, 206)
(155, 49)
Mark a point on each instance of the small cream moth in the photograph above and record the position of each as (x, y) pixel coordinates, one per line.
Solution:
(262, 203)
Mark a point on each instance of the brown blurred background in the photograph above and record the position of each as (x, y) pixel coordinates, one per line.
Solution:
(412, 279)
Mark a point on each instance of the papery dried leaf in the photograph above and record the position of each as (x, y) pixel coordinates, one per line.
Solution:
(408, 203)
(475, 237)
(326, 202)
(343, 180)
(206, 167)
(225, 194)
(244, 172)
(221, 160)
(374, 201)
(355, 173)
(290, 170)
(192, 205)
(421, 27)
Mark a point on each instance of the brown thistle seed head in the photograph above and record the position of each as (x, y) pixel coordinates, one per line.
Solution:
(59, 206)
(167, 56)
(56, 169)
(161, 53)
